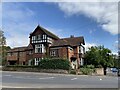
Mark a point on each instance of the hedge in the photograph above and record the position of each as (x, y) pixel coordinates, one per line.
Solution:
(54, 64)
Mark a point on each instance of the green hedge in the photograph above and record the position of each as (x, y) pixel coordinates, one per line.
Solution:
(54, 64)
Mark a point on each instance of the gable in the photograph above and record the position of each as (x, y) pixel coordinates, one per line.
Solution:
(41, 30)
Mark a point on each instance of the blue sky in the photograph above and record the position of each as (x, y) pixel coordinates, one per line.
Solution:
(96, 21)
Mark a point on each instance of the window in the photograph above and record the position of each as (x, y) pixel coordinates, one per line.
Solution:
(36, 39)
(30, 52)
(53, 53)
(81, 50)
(40, 48)
(37, 61)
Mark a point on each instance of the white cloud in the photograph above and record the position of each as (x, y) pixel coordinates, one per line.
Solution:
(105, 13)
(16, 12)
(88, 45)
(18, 36)
(16, 24)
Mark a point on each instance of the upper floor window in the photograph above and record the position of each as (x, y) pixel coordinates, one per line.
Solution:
(38, 37)
(81, 49)
(40, 48)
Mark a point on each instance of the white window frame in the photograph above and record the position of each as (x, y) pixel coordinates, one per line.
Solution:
(40, 48)
(53, 53)
(37, 60)
(81, 49)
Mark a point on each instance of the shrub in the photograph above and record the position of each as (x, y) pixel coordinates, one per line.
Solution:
(72, 72)
(54, 64)
(90, 66)
(86, 71)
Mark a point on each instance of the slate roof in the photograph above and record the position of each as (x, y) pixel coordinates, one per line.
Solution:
(17, 49)
(46, 32)
(30, 46)
(73, 41)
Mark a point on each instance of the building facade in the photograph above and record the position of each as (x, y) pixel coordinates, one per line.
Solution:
(45, 44)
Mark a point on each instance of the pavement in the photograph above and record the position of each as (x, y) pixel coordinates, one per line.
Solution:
(48, 80)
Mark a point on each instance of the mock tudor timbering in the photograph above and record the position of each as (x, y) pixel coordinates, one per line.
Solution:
(45, 44)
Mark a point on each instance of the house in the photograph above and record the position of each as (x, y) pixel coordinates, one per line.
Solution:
(46, 44)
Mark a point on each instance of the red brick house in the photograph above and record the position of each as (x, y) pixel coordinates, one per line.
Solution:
(45, 44)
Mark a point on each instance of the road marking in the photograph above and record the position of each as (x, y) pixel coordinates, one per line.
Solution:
(100, 79)
(13, 87)
(7, 75)
(73, 78)
(47, 78)
(33, 78)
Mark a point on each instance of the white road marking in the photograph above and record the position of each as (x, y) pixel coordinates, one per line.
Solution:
(100, 79)
(47, 78)
(33, 78)
(73, 78)
(13, 87)
(7, 75)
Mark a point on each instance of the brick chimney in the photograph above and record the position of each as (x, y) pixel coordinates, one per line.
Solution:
(71, 36)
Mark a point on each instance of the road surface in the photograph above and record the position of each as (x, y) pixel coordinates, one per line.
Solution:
(43, 80)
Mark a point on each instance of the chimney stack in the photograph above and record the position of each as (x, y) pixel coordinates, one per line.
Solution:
(71, 36)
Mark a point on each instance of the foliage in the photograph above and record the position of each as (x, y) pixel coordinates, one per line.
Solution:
(57, 63)
(72, 71)
(86, 71)
(3, 52)
(2, 38)
(32, 62)
(3, 48)
(90, 66)
(99, 56)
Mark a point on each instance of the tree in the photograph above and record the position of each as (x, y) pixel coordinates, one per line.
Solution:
(99, 57)
(3, 48)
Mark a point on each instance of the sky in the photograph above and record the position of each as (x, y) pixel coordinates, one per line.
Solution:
(96, 21)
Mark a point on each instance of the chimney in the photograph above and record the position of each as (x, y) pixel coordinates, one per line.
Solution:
(71, 36)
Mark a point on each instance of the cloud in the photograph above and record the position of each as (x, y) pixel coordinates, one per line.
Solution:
(104, 13)
(18, 36)
(88, 45)
(16, 12)
(17, 24)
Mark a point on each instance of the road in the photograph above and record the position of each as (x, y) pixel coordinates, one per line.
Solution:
(43, 80)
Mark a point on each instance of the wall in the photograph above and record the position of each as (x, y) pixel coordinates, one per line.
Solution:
(12, 57)
(100, 71)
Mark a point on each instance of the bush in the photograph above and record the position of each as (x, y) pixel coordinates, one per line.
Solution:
(54, 64)
(86, 71)
(90, 66)
(72, 72)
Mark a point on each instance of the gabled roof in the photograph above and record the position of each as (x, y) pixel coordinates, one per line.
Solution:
(46, 32)
(17, 49)
(73, 41)
(29, 47)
